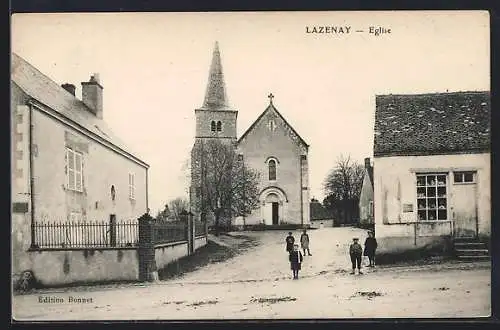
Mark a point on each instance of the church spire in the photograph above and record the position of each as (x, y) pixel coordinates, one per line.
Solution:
(215, 96)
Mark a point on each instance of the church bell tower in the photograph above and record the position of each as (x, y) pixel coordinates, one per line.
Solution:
(215, 119)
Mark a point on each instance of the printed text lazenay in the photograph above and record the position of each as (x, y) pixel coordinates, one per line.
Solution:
(345, 29)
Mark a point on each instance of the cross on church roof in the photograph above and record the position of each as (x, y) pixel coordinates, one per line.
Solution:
(270, 96)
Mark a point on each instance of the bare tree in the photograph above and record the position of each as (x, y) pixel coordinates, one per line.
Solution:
(164, 214)
(228, 187)
(176, 206)
(342, 187)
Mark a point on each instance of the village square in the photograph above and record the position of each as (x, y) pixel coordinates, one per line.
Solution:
(400, 232)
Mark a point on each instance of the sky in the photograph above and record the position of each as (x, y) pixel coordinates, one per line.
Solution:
(154, 70)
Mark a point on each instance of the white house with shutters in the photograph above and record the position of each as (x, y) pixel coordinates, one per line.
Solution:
(67, 165)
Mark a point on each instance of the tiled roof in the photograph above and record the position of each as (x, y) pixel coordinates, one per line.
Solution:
(44, 90)
(438, 123)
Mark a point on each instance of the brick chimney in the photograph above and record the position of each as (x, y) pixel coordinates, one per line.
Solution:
(92, 95)
(367, 163)
(70, 88)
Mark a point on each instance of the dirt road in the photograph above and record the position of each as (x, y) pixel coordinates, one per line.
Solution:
(257, 284)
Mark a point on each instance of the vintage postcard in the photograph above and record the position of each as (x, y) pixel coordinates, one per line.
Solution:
(250, 165)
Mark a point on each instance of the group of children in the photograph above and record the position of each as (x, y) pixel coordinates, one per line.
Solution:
(295, 256)
(356, 252)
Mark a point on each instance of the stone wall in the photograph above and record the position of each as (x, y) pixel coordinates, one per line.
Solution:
(200, 242)
(53, 268)
(167, 253)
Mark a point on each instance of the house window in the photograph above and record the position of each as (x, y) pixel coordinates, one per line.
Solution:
(272, 169)
(240, 157)
(370, 209)
(463, 177)
(219, 126)
(432, 198)
(74, 172)
(131, 186)
(212, 126)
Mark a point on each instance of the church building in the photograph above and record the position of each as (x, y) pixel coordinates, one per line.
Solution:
(270, 146)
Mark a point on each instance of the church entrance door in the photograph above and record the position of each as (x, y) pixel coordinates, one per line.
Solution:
(275, 215)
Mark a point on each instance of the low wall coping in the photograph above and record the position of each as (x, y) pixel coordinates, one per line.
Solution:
(31, 249)
(418, 222)
(159, 246)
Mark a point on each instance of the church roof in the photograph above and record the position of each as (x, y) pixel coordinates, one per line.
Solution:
(436, 123)
(47, 92)
(215, 95)
(271, 107)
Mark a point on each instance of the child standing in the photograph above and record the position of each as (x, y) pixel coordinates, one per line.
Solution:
(289, 240)
(295, 258)
(304, 241)
(356, 252)
(370, 247)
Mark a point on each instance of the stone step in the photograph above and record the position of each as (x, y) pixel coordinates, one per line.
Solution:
(474, 258)
(469, 245)
(472, 252)
(465, 239)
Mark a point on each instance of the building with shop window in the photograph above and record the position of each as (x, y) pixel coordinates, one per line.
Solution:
(431, 169)
(270, 145)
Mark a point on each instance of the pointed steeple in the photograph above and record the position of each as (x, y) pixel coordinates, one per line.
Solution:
(215, 96)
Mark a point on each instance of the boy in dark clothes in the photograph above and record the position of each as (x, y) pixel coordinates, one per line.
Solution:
(295, 258)
(356, 252)
(370, 247)
(290, 240)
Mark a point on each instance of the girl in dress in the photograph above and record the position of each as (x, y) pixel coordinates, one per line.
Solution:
(295, 258)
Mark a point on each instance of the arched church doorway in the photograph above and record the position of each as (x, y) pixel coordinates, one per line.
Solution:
(273, 202)
(272, 205)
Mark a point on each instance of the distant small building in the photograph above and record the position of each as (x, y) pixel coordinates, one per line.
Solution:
(366, 197)
(320, 215)
(432, 169)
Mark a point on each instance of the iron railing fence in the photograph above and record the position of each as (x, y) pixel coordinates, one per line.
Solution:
(89, 234)
(169, 232)
(200, 228)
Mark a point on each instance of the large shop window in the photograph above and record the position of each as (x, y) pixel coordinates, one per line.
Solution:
(432, 197)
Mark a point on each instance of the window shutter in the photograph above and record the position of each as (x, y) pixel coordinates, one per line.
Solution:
(71, 169)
